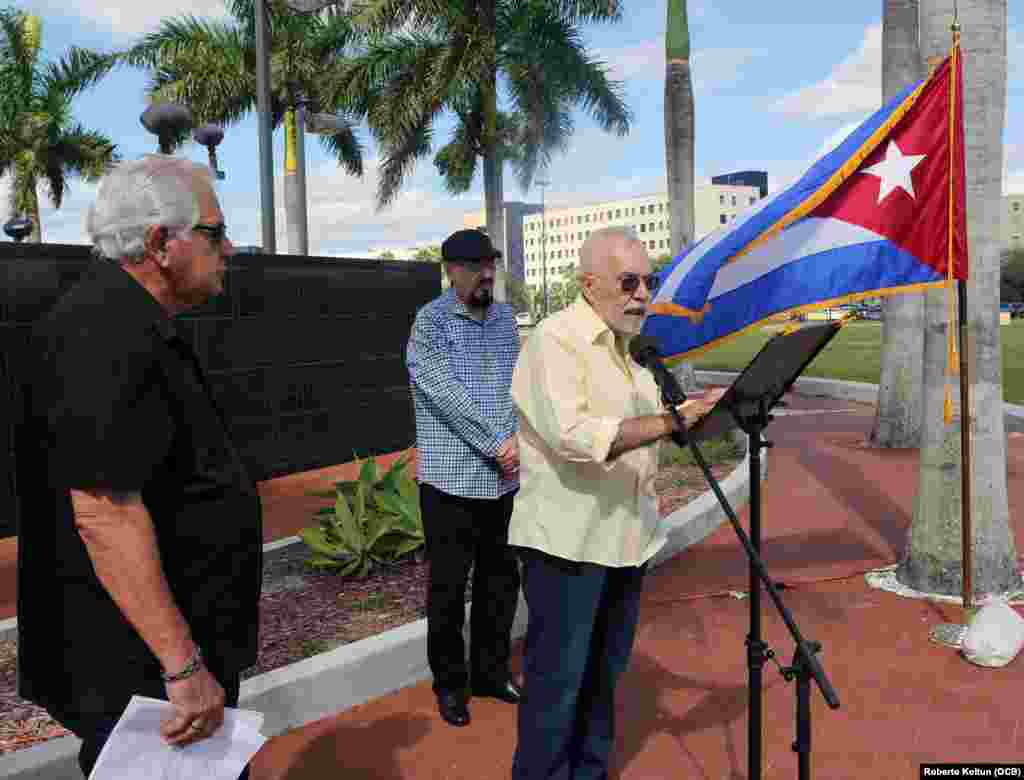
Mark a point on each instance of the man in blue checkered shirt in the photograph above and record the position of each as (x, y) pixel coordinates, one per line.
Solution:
(461, 354)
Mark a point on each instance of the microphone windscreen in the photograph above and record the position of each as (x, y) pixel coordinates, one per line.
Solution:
(641, 348)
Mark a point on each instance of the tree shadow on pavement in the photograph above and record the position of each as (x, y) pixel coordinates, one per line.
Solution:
(333, 749)
(718, 708)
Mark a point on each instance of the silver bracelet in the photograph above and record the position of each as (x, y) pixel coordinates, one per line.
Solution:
(194, 665)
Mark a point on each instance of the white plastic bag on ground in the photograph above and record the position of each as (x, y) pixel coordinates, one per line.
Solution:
(994, 636)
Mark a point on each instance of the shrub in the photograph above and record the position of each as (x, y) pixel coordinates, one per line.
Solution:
(373, 523)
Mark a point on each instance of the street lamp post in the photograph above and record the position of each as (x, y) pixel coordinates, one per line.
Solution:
(210, 136)
(19, 228)
(166, 121)
(264, 134)
(542, 183)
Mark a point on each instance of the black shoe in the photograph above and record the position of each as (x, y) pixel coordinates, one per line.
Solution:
(507, 692)
(452, 706)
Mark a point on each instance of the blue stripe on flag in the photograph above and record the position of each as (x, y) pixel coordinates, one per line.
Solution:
(836, 273)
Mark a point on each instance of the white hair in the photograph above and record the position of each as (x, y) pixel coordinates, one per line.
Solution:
(598, 245)
(156, 189)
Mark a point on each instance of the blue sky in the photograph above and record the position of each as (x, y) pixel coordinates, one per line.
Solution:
(776, 84)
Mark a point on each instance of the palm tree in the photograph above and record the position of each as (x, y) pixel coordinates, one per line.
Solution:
(39, 140)
(431, 57)
(210, 67)
(932, 561)
(898, 415)
(679, 144)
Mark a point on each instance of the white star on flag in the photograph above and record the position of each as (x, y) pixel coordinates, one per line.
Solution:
(894, 171)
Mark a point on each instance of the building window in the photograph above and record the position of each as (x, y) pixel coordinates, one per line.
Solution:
(661, 226)
(651, 227)
(618, 213)
(723, 219)
(734, 200)
(643, 227)
(1016, 205)
(651, 244)
(721, 200)
(641, 209)
(753, 200)
(609, 215)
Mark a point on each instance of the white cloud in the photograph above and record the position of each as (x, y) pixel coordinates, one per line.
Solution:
(126, 19)
(646, 61)
(1013, 169)
(853, 87)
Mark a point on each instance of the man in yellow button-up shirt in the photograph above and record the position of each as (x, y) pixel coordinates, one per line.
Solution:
(586, 518)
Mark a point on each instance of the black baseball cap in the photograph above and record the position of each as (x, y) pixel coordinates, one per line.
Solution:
(468, 246)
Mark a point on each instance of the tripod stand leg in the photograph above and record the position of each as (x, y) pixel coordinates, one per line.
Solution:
(757, 650)
(802, 746)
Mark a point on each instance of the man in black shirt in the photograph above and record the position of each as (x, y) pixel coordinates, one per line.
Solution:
(135, 507)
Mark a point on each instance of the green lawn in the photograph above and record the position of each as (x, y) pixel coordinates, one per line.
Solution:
(854, 355)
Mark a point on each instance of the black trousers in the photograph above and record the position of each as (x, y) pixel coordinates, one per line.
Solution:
(462, 533)
(94, 728)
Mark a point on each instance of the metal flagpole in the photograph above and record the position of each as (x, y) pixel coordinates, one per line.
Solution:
(966, 418)
(952, 634)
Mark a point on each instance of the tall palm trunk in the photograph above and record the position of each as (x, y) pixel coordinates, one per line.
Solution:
(898, 417)
(294, 195)
(933, 557)
(679, 143)
(26, 195)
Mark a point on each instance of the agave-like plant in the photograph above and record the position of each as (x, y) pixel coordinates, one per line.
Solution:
(374, 521)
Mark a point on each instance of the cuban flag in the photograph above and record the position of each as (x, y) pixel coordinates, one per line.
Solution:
(883, 213)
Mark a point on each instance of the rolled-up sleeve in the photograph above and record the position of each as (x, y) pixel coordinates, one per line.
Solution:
(548, 390)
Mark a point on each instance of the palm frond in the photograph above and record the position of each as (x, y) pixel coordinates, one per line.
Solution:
(457, 160)
(78, 70)
(399, 160)
(547, 64)
(186, 38)
(345, 147)
(576, 11)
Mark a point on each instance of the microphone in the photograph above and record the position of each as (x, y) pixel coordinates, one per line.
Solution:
(644, 350)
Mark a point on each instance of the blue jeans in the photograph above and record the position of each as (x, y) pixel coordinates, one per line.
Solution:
(580, 635)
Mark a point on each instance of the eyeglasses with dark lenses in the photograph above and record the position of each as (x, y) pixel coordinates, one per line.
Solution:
(217, 233)
(630, 282)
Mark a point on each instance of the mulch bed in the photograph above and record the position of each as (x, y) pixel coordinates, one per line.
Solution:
(304, 613)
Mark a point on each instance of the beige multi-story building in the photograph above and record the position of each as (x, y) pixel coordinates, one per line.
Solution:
(565, 229)
(1012, 227)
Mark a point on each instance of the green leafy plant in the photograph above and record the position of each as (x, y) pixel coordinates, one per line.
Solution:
(717, 450)
(374, 521)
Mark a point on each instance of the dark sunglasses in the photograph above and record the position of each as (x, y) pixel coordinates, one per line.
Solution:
(217, 233)
(630, 282)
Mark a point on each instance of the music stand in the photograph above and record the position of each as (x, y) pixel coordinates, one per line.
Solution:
(745, 405)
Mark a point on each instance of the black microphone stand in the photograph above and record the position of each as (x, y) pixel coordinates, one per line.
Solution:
(751, 415)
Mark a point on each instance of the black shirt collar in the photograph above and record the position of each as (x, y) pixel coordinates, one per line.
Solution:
(134, 302)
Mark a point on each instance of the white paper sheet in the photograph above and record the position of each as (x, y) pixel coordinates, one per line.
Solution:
(137, 750)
